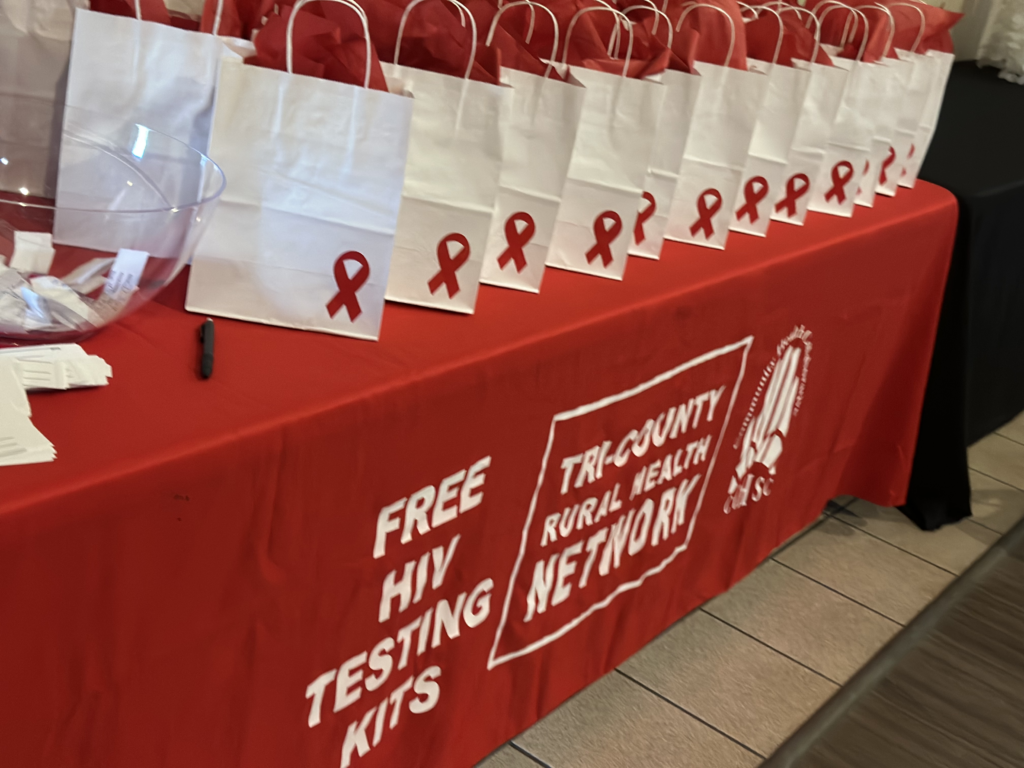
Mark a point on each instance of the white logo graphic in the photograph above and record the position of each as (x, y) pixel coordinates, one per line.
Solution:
(779, 394)
(621, 485)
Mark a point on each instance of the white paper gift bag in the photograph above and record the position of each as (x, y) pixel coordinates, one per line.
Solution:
(849, 146)
(451, 182)
(35, 40)
(681, 89)
(943, 65)
(124, 72)
(911, 108)
(909, 119)
(814, 127)
(885, 109)
(886, 106)
(605, 182)
(539, 136)
(303, 234)
(772, 140)
(127, 70)
(717, 146)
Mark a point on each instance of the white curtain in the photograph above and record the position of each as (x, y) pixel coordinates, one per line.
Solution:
(1003, 43)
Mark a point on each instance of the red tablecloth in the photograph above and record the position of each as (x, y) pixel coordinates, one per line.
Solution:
(306, 560)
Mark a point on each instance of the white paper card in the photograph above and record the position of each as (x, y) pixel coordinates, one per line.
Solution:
(33, 252)
(56, 366)
(20, 441)
(125, 273)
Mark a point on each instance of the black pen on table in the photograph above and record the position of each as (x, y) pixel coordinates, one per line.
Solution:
(206, 339)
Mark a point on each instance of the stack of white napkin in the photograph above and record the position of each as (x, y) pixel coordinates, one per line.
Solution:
(25, 369)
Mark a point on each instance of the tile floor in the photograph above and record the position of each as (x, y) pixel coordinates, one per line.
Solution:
(725, 686)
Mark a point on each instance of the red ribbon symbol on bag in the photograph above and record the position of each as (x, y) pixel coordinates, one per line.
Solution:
(793, 193)
(449, 264)
(604, 236)
(517, 239)
(642, 217)
(347, 286)
(839, 181)
(707, 213)
(910, 154)
(888, 161)
(754, 191)
(867, 165)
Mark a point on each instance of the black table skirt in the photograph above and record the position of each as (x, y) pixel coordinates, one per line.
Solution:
(977, 378)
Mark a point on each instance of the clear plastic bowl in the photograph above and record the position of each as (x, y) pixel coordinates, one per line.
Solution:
(120, 211)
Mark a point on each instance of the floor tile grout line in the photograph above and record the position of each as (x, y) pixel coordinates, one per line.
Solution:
(894, 546)
(772, 648)
(976, 521)
(841, 506)
(969, 519)
(993, 477)
(796, 537)
(826, 513)
(1011, 439)
(955, 576)
(841, 594)
(886, 661)
(972, 517)
(687, 712)
(530, 755)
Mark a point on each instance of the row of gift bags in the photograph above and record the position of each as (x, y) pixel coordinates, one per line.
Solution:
(572, 134)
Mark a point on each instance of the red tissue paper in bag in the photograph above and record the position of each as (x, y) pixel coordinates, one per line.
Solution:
(185, 22)
(650, 42)
(434, 39)
(838, 25)
(797, 41)
(589, 43)
(238, 18)
(150, 10)
(938, 22)
(648, 57)
(937, 25)
(705, 34)
(510, 35)
(592, 37)
(324, 47)
(637, 68)
(589, 35)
